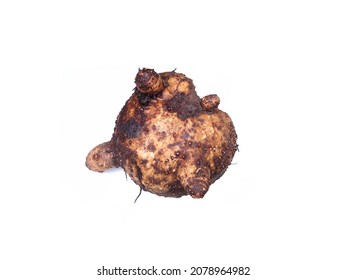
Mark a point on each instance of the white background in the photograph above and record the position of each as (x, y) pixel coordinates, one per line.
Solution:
(279, 67)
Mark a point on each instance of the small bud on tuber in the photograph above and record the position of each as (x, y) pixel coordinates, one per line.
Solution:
(148, 81)
(210, 102)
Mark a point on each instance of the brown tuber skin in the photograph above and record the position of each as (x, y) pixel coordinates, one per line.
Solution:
(169, 141)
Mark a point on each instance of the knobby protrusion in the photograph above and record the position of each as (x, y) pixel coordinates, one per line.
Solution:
(210, 102)
(196, 181)
(101, 157)
(148, 81)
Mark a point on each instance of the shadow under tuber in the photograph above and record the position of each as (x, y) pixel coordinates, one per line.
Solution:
(168, 140)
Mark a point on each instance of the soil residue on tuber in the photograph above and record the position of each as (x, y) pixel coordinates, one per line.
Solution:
(168, 140)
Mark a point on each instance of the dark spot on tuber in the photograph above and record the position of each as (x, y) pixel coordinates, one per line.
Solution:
(144, 99)
(151, 147)
(131, 128)
(185, 105)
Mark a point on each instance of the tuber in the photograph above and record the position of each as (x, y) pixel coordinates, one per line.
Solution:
(168, 140)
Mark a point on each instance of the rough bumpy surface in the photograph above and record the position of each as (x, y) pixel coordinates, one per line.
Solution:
(168, 140)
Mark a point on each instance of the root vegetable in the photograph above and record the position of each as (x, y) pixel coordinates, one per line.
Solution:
(168, 140)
